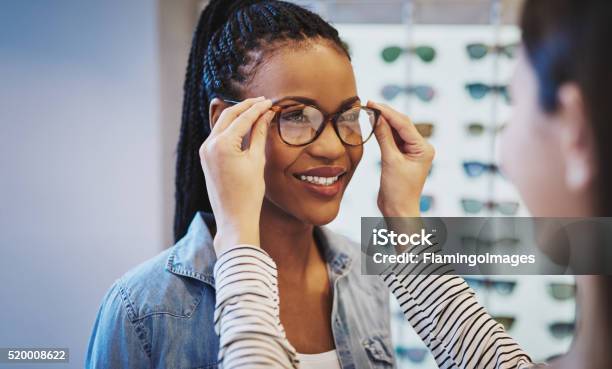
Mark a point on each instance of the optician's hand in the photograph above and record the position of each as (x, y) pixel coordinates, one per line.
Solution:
(234, 175)
(406, 160)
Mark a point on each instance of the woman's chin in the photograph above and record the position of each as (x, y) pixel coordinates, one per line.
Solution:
(322, 217)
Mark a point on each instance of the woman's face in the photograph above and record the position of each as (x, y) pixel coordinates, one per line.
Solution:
(324, 76)
(538, 150)
(527, 145)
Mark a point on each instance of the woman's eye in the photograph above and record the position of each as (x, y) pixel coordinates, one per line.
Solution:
(296, 117)
(351, 117)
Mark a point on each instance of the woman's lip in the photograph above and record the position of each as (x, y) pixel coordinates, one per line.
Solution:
(326, 171)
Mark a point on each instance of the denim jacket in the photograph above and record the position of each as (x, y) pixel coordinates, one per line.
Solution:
(160, 314)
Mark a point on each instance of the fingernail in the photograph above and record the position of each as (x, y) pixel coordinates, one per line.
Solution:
(261, 98)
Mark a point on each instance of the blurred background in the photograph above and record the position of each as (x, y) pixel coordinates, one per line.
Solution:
(91, 96)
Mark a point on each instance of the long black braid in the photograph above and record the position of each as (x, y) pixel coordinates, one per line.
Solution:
(231, 39)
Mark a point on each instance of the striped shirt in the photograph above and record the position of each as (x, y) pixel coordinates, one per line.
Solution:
(440, 306)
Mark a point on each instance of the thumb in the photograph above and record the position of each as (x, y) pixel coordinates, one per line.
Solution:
(260, 132)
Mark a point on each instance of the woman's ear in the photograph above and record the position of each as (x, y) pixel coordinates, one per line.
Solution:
(214, 111)
(576, 139)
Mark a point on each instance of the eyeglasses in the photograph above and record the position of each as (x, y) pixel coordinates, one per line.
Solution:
(473, 206)
(500, 286)
(480, 50)
(300, 124)
(423, 92)
(425, 129)
(414, 354)
(426, 53)
(425, 203)
(562, 291)
(480, 90)
(562, 330)
(476, 168)
(477, 129)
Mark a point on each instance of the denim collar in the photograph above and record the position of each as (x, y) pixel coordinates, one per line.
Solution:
(194, 255)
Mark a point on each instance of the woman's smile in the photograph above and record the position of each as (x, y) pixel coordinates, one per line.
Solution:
(323, 181)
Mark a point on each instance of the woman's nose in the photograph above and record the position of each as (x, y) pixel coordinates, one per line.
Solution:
(327, 145)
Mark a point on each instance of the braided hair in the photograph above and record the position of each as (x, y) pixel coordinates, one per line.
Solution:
(231, 39)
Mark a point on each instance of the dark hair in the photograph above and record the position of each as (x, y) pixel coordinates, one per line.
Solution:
(568, 41)
(230, 41)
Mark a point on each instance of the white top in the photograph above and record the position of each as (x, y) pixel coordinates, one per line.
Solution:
(324, 360)
(440, 306)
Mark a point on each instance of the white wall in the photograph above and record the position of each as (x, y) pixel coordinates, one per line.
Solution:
(80, 149)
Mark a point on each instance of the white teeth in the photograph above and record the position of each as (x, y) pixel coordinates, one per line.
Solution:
(323, 181)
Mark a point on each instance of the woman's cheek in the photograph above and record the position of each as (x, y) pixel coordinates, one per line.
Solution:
(511, 154)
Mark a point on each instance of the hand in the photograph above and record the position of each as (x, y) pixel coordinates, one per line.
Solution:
(406, 160)
(234, 175)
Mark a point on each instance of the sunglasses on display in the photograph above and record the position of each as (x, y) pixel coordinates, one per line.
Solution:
(425, 203)
(413, 354)
(479, 50)
(300, 124)
(425, 129)
(391, 53)
(562, 291)
(473, 206)
(562, 330)
(476, 168)
(506, 321)
(471, 242)
(500, 286)
(477, 129)
(479, 90)
(423, 92)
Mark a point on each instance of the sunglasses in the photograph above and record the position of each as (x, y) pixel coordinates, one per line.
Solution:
(476, 168)
(423, 92)
(500, 286)
(391, 53)
(506, 321)
(477, 129)
(414, 354)
(300, 124)
(471, 242)
(479, 90)
(562, 330)
(473, 206)
(425, 129)
(425, 203)
(480, 50)
(562, 291)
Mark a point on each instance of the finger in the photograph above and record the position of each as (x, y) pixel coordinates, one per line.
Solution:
(230, 114)
(260, 132)
(385, 139)
(399, 123)
(241, 126)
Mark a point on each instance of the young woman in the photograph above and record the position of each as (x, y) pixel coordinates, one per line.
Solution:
(161, 314)
(554, 150)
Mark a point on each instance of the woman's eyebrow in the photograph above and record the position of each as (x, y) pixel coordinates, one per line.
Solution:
(310, 101)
